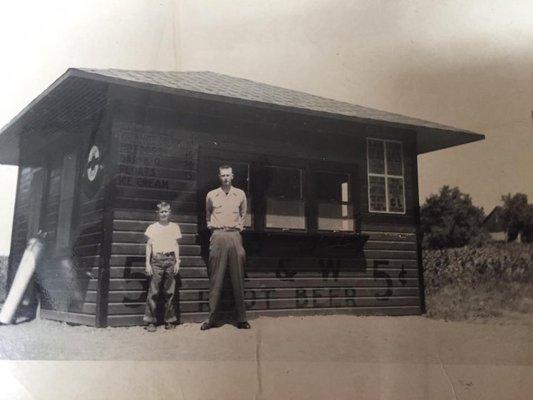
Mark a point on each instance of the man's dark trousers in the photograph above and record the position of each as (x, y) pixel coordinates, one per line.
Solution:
(226, 251)
(163, 282)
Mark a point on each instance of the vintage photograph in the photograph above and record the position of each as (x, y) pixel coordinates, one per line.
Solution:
(322, 199)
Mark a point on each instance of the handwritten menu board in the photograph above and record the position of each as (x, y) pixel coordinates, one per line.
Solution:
(147, 160)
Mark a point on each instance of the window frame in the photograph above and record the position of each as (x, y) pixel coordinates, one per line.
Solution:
(339, 169)
(303, 191)
(385, 176)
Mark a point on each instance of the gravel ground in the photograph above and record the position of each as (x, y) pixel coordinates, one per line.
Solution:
(338, 337)
(318, 357)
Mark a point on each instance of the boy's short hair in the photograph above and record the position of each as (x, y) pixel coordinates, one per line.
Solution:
(224, 166)
(163, 204)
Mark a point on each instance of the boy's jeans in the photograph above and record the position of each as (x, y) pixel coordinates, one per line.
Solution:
(163, 282)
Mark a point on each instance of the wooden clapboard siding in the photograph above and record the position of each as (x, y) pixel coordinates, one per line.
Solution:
(272, 304)
(128, 261)
(296, 263)
(134, 225)
(140, 248)
(384, 278)
(125, 320)
(138, 237)
(150, 203)
(140, 283)
(128, 320)
(65, 292)
(178, 196)
(202, 295)
(361, 311)
(200, 272)
(155, 185)
(147, 217)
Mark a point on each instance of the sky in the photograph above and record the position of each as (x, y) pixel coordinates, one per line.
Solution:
(464, 64)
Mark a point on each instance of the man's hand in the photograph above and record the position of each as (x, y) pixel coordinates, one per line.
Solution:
(176, 267)
(148, 269)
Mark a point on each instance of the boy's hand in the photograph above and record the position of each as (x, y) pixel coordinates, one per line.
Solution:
(176, 267)
(148, 269)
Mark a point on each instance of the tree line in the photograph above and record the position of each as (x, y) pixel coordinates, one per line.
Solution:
(450, 219)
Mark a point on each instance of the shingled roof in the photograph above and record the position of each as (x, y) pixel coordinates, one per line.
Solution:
(216, 84)
(243, 91)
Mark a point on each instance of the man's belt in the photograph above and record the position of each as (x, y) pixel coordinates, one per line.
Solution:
(227, 229)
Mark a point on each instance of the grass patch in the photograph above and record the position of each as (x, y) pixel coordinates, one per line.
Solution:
(479, 282)
(485, 301)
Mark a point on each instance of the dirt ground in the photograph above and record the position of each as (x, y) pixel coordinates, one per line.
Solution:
(313, 357)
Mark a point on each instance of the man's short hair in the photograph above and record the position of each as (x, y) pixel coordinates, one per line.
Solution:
(224, 166)
(163, 204)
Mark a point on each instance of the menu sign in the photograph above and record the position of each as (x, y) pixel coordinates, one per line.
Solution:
(142, 158)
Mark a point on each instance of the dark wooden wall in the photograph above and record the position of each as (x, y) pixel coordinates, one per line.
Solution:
(63, 276)
(158, 139)
(67, 276)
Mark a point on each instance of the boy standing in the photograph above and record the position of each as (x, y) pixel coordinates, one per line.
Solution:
(162, 264)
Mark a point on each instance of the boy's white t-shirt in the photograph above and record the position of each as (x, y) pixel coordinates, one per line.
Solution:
(163, 237)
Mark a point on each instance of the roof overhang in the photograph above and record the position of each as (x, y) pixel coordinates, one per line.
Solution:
(429, 137)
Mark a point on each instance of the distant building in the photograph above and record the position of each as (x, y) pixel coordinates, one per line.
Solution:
(494, 224)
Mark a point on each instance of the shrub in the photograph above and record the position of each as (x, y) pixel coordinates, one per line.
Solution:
(449, 219)
(517, 215)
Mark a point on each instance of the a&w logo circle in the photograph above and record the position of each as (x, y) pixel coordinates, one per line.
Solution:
(93, 171)
(93, 163)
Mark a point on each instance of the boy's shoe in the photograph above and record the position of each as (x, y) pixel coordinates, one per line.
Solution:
(170, 326)
(243, 325)
(150, 328)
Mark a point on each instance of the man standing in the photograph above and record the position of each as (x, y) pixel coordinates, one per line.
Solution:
(225, 213)
(162, 264)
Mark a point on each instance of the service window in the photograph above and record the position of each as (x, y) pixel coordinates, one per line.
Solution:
(386, 191)
(285, 207)
(334, 201)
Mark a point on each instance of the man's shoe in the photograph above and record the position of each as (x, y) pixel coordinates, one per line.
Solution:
(150, 328)
(170, 326)
(243, 325)
(205, 326)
